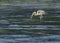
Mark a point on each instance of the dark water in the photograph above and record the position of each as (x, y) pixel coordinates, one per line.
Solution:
(21, 29)
(16, 26)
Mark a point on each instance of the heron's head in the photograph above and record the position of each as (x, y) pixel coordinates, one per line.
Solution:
(34, 13)
(41, 12)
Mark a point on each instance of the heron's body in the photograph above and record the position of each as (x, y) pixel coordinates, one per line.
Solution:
(39, 13)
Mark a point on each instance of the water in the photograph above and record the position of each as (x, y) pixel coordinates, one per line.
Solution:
(16, 26)
(30, 31)
(22, 29)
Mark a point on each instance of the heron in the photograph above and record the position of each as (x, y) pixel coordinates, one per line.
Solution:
(39, 13)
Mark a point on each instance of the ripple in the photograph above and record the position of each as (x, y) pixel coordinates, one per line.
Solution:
(30, 27)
